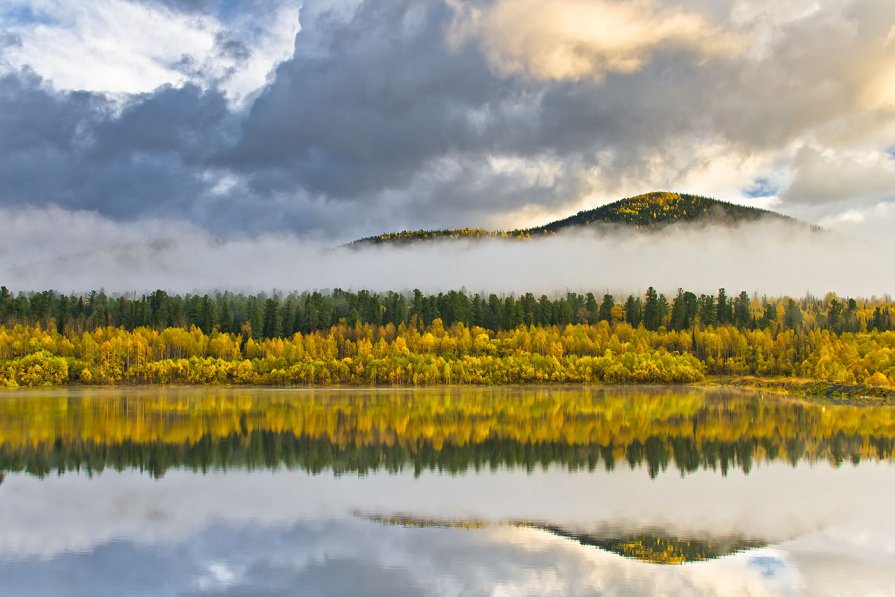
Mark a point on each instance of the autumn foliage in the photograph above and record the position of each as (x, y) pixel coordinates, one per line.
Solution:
(364, 354)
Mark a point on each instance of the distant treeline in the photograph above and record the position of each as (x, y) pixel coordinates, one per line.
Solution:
(282, 315)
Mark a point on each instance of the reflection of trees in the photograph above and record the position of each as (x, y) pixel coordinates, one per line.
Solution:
(449, 431)
(270, 450)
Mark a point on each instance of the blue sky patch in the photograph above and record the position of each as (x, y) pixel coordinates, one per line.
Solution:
(761, 187)
(26, 15)
(768, 566)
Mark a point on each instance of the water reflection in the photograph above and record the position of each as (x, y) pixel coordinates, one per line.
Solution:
(648, 545)
(266, 533)
(461, 492)
(445, 429)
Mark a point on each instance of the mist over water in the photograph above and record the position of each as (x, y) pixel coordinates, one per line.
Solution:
(79, 251)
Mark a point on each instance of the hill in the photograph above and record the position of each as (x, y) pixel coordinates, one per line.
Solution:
(647, 211)
(660, 209)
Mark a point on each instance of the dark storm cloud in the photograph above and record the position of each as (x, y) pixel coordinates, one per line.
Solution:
(40, 134)
(185, 121)
(73, 150)
(366, 103)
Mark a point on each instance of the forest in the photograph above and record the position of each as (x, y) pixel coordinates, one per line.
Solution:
(364, 338)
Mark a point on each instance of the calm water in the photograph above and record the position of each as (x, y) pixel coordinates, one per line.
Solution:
(447, 492)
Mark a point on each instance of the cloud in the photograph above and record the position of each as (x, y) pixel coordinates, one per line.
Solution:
(110, 45)
(585, 39)
(380, 116)
(343, 124)
(77, 150)
(829, 176)
(123, 47)
(366, 104)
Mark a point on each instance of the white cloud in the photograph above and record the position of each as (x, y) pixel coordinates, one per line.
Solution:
(270, 39)
(123, 47)
(109, 45)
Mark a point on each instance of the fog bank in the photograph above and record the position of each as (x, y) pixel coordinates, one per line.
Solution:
(77, 251)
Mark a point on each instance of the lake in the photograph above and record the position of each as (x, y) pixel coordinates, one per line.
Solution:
(448, 491)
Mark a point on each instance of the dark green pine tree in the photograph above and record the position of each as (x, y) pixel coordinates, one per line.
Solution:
(835, 316)
(684, 308)
(591, 308)
(226, 320)
(707, 311)
(769, 317)
(742, 316)
(633, 311)
(606, 307)
(5, 303)
(724, 309)
(62, 314)
(652, 316)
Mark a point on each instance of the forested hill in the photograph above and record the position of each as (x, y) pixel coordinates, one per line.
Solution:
(659, 209)
(647, 211)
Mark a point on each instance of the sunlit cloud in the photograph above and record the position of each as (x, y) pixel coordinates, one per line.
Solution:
(585, 39)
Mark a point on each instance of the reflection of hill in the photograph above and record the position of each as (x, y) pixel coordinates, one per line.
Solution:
(647, 545)
(662, 549)
(450, 429)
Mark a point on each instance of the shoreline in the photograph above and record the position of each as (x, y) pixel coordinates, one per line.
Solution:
(810, 388)
(790, 387)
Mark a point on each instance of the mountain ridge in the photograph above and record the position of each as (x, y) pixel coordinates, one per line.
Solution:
(652, 210)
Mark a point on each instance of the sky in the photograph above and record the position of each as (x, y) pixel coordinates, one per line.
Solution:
(325, 121)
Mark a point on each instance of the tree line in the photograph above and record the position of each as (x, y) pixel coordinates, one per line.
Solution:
(281, 315)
